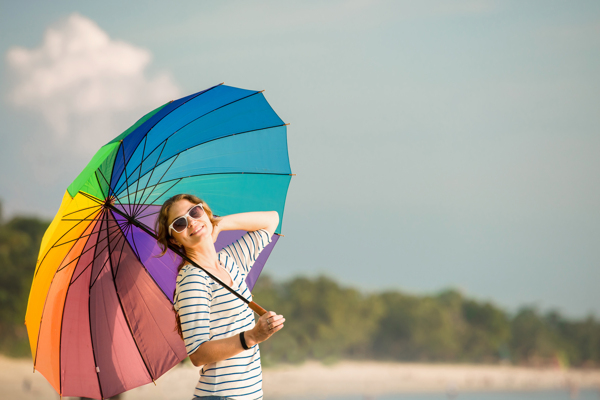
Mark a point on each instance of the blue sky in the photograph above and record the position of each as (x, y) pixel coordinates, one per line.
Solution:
(436, 144)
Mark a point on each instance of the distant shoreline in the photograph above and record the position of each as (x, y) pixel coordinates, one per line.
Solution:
(312, 379)
(380, 378)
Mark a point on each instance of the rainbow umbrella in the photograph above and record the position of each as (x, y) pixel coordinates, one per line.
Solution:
(100, 318)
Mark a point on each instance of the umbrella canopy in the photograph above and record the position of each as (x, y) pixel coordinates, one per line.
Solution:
(100, 318)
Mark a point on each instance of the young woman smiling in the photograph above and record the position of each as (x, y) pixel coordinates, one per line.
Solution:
(219, 329)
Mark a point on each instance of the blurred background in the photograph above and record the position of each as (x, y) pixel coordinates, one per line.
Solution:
(445, 206)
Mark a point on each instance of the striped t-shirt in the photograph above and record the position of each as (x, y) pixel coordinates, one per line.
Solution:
(209, 311)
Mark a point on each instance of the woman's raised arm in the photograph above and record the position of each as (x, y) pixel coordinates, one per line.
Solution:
(249, 221)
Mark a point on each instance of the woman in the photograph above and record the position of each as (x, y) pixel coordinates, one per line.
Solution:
(217, 327)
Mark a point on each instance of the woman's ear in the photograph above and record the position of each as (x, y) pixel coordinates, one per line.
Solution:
(175, 242)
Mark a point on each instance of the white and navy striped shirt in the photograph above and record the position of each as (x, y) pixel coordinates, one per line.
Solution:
(208, 311)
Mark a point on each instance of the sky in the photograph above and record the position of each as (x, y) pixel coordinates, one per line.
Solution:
(435, 144)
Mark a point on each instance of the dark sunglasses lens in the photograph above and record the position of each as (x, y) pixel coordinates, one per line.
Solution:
(180, 224)
(196, 212)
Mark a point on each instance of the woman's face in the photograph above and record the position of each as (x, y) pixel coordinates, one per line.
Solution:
(197, 229)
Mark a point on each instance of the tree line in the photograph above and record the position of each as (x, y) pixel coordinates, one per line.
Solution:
(328, 322)
(20, 239)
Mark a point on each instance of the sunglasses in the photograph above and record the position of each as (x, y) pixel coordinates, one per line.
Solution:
(181, 223)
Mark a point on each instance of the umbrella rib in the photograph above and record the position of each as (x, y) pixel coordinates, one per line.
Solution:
(91, 262)
(147, 215)
(125, 169)
(134, 247)
(195, 119)
(159, 181)
(78, 257)
(137, 184)
(112, 267)
(142, 209)
(212, 140)
(107, 260)
(121, 303)
(152, 173)
(90, 197)
(96, 253)
(79, 219)
(162, 147)
(57, 240)
(99, 184)
(73, 240)
(81, 209)
(110, 189)
(103, 265)
(185, 102)
(82, 219)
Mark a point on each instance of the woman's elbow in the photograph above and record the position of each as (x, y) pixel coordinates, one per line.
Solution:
(198, 358)
(196, 362)
(273, 222)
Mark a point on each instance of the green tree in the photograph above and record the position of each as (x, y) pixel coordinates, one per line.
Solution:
(20, 238)
(323, 320)
(531, 337)
(579, 341)
(487, 333)
(414, 328)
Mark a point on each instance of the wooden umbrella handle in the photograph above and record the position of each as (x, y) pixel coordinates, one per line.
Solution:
(256, 308)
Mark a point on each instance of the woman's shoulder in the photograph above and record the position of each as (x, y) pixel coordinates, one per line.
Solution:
(248, 243)
(190, 273)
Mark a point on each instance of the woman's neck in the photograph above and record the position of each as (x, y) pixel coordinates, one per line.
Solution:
(204, 255)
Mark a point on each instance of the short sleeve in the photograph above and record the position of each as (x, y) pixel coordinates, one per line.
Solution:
(192, 303)
(246, 250)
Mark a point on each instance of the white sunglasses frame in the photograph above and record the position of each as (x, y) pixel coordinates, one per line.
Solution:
(186, 215)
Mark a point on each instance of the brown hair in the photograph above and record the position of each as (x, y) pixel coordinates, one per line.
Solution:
(162, 222)
(164, 238)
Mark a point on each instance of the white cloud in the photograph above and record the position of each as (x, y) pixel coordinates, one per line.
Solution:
(87, 86)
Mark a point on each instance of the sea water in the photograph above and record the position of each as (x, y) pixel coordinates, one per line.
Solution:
(532, 395)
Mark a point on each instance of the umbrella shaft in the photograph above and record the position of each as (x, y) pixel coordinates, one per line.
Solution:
(255, 307)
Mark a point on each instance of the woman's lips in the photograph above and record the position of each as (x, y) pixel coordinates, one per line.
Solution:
(197, 230)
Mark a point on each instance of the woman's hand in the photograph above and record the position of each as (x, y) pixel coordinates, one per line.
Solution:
(269, 323)
(216, 229)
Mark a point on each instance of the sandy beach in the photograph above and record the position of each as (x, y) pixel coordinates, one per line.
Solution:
(311, 379)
